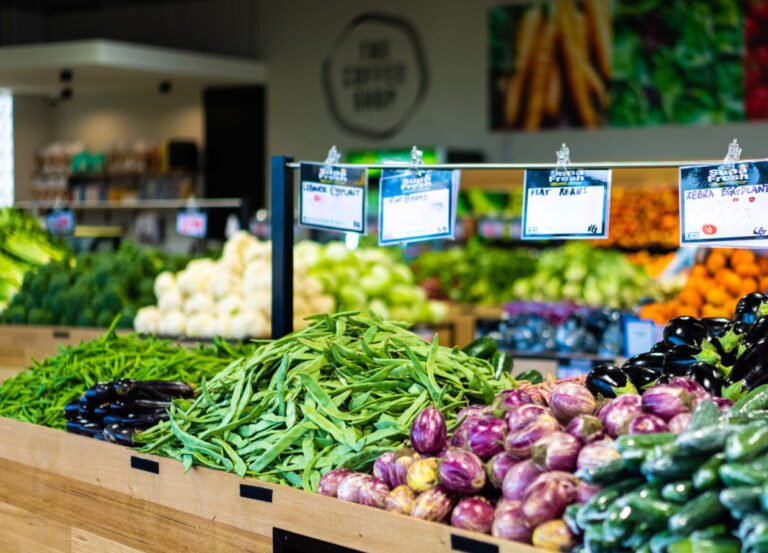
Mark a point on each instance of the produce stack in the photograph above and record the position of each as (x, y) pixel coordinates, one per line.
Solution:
(40, 394)
(725, 356)
(90, 290)
(714, 286)
(703, 490)
(595, 277)
(24, 246)
(232, 296)
(115, 411)
(334, 395)
(645, 218)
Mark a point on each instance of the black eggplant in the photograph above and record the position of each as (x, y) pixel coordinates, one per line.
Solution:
(659, 347)
(119, 435)
(72, 410)
(748, 307)
(126, 406)
(84, 427)
(86, 407)
(645, 377)
(153, 389)
(727, 358)
(103, 392)
(135, 420)
(688, 331)
(757, 331)
(741, 327)
(679, 359)
(608, 381)
(716, 326)
(752, 366)
(709, 376)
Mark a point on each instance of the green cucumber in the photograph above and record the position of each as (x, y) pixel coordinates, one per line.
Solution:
(666, 469)
(661, 541)
(709, 439)
(717, 545)
(750, 442)
(618, 524)
(706, 477)
(714, 531)
(744, 417)
(503, 363)
(612, 471)
(570, 518)
(653, 512)
(594, 510)
(742, 499)
(594, 540)
(639, 537)
(643, 441)
(484, 347)
(679, 492)
(698, 513)
(754, 400)
(744, 474)
(706, 414)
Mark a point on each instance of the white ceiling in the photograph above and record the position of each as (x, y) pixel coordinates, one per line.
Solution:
(104, 66)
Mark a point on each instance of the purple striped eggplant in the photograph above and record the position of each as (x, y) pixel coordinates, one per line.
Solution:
(486, 438)
(519, 443)
(329, 483)
(351, 487)
(373, 493)
(498, 466)
(518, 479)
(679, 423)
(647, 424)
(666, 401)
(434, 504)
(619, 412)
(473, 513)
(509, 399)
(571, 399)
(597, 454)
(383, 465)
(519, 417)
(423, 474)
(400, 500)
(461, 472)
(509, 524)
(556, 451)
(398, 468)
(429, 432)
(586, 428)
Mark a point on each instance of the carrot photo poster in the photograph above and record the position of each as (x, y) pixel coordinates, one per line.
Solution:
(620, 63)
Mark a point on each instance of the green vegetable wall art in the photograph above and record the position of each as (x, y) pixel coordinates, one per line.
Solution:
(624, 63)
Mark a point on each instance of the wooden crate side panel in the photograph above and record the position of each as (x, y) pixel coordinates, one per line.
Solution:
(213, 495)
(24, 532)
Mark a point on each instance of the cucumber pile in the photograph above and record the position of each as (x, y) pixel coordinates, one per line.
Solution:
(705, 490)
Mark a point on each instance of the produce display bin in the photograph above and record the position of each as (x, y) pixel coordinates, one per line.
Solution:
(65, 493)
(19, 344)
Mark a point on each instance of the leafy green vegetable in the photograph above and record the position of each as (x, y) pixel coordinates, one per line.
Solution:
(338, 393)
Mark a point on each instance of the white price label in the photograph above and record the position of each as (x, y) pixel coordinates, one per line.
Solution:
(333, 197)
(572, 203)
(724, 204)
(417, 206)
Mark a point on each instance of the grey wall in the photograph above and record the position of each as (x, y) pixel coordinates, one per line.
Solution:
(298, 34)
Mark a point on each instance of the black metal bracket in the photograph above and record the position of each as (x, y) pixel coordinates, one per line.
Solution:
(147, 465)
(256, 492)
(470, 545)
(284, 541)
(282, 246)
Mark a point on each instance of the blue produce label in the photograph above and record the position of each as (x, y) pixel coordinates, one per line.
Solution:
(333, 197)
(569, 203)
(417, 205)
(724, 205)
(192, 223)
(60, 222)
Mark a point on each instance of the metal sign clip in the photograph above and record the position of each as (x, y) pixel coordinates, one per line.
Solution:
(563, 157)
(333, 157)
(734, 152)
(417, 160)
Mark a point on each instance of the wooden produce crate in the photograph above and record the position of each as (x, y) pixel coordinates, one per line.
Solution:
(65, 493)
(19, 344)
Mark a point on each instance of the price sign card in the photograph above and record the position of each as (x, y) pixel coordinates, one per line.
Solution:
(417, 205)
(192, 223)
(60, 222)
(333, 197)
(566, 203)
(724, 204)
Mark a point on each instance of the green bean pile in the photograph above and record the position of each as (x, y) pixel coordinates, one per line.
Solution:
(338, 393)
(39, 394)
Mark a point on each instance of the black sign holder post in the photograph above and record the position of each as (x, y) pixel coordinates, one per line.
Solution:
(282, 246)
